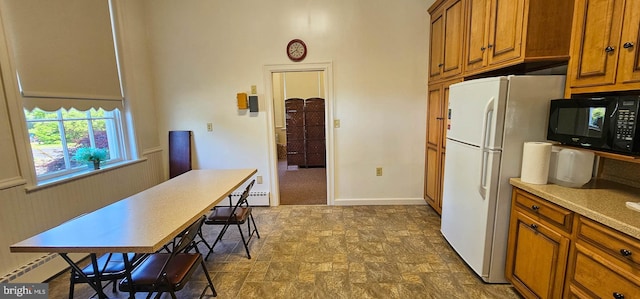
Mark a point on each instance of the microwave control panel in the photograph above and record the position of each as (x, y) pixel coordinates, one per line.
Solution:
(626, 121)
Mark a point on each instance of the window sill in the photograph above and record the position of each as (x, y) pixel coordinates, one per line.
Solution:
(79, 175)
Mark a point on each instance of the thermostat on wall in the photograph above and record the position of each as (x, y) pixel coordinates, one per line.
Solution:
(253, 103)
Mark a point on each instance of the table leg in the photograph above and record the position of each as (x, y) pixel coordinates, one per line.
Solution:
(97, 286)
(127, 269)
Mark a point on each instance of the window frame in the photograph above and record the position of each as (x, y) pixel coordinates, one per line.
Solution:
(115, 135)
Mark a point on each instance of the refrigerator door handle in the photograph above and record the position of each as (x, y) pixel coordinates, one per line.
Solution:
(486, 124)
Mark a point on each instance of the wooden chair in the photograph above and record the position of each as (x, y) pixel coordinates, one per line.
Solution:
(169, 272)
(237, 215)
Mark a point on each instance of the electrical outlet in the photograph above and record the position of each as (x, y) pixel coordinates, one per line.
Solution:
(336, 123)
(379, 171)
(254, 89)
(259, 179)
(209, 127)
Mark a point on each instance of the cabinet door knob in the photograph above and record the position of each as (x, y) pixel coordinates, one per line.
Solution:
(625, 252)
(489, 46)
(535, 208)
(440, 65)
(482, 48)
(609, 49)
(534, 226)
(618, 295)
(439, 118)
(628, 45)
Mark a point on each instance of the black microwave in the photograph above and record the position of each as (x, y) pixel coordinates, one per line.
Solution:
(606, 124)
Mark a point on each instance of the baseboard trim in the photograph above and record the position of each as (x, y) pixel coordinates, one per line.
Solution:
(379, 201)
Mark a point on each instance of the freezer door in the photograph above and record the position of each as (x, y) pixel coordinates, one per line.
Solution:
(476, 111)
(468, 209)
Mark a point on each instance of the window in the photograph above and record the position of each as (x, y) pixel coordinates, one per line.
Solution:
(68, 76)
(55, 137)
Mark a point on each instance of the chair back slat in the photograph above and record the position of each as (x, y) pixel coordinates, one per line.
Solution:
(188, 236)
(243, 200)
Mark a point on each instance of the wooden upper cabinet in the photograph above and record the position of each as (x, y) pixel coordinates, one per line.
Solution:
(604, 47)
(447, 25)
(502, 33)
(477, 34)
(629, 64)
(598, 25)
(506, 31)
(437, 38)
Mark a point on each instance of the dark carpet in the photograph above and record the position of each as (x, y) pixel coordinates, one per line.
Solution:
(302, 186)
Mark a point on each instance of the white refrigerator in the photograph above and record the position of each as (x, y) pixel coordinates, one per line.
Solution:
(489, 121)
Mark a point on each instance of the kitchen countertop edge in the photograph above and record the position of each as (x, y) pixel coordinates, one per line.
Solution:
(599, 200)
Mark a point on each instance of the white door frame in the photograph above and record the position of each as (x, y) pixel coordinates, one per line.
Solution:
(268, 70)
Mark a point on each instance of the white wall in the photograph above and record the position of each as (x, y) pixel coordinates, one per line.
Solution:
(204, 52)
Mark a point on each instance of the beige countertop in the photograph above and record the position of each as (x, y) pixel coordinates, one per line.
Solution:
(602, 201)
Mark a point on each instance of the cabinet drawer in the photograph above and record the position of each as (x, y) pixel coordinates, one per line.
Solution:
(623, 247)
(544, 210)
(594, 276)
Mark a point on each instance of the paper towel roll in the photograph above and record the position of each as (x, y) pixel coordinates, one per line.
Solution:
(535, 162)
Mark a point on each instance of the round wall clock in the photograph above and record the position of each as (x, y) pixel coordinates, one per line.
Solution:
(296, 50)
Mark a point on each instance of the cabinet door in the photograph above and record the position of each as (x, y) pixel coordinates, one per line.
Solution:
(505, 33)
(629, 61)
(434, 115)
(477, 34)
(536, 258)
(594, 42)
(453, 32)
(596, 274)
(436, 44)
(434, 131)
(432, 178)
(446, 120)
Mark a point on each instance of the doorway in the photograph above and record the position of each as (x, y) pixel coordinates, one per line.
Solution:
(299, 124)
(294, 182)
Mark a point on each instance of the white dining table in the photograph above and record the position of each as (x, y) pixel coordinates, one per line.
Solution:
(141, 223)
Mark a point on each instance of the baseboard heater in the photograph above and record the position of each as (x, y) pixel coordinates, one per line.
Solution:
(256, 198)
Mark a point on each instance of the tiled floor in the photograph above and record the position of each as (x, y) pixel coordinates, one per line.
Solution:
(334, 252)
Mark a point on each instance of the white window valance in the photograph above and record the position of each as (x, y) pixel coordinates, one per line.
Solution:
(64, 53)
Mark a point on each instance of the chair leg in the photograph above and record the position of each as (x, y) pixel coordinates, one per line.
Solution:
(255, 227)
(218, 238)
(203, 240)
(244, 242)
(206, 273)
(71, 284)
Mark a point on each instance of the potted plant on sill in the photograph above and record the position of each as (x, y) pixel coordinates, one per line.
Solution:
(91, 156)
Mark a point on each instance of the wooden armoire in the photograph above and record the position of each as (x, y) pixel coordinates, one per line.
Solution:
(305, 132)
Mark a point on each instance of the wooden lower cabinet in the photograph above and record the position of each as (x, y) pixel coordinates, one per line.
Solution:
(537, 253)
(555, 253)
(603, 263)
